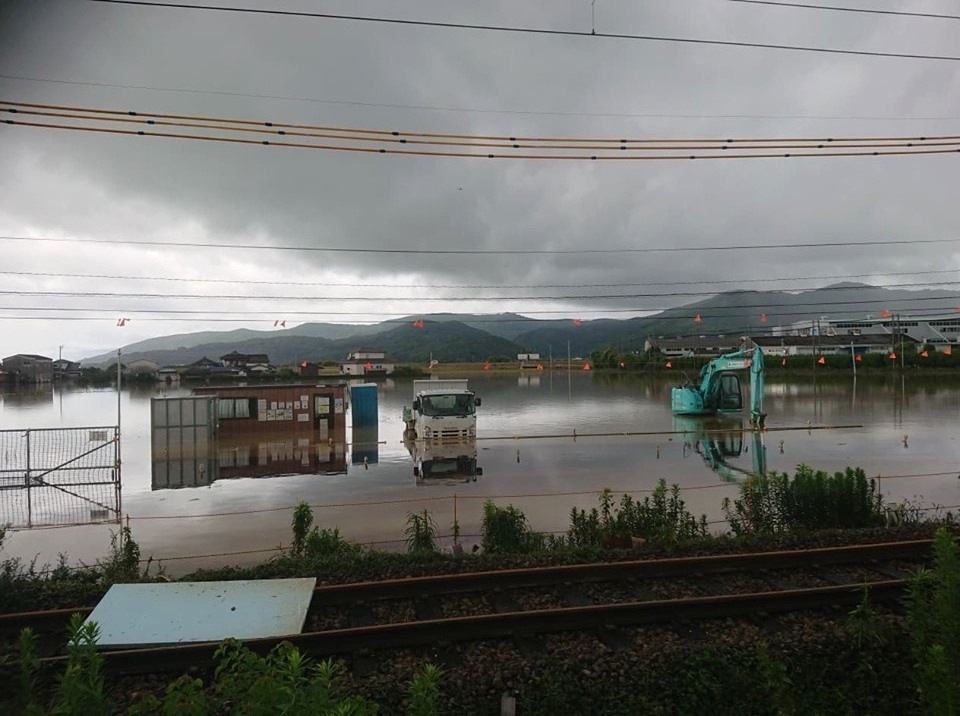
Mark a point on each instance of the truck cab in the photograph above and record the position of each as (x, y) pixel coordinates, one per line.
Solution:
(442, 410)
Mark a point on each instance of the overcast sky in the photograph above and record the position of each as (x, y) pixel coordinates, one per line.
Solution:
(78, 185)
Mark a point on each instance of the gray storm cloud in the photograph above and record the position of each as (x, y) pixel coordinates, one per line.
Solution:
(77, 185)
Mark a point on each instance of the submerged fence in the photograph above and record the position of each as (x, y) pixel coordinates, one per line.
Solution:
(59, 476)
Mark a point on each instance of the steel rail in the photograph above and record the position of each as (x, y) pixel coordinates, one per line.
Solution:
(506, 625)
(413, 587)
(504, 579)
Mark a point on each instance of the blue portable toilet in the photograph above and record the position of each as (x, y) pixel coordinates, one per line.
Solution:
(363, 402)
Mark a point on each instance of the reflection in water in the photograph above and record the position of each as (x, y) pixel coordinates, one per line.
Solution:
(365, 448)
(718, 441)
(203, 463)
(27, 395)
(445, 463)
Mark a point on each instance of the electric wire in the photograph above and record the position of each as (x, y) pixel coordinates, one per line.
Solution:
(483, 110)
(705, 314)
(431, 299)
(482, 155)
(482, 252)
(516, 29)
(331, 284)
(860, 10)
(395, 135)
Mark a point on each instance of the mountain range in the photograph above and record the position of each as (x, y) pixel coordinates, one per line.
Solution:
(476, 337)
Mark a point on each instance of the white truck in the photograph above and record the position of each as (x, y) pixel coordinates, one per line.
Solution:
(442, 410)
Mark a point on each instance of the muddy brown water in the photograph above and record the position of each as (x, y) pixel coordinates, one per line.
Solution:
(910, 429)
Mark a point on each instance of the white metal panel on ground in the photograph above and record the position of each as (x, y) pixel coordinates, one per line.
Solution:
(176, 612)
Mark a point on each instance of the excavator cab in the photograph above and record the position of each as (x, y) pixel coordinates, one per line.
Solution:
(731, 395)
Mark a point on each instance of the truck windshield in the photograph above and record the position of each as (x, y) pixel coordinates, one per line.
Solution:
(451, 404)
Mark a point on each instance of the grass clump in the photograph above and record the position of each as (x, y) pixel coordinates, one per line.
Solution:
(662, 519)
(505, 530)
(420, 532)
(810, 500)
(316, 543)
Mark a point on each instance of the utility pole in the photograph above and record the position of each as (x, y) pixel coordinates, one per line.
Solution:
(853, 359)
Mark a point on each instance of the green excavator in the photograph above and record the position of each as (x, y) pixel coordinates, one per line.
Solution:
(719, 389)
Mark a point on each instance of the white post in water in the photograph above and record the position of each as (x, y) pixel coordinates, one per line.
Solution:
(118, 434)
(853, 359)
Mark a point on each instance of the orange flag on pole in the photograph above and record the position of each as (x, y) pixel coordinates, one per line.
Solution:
(669, 364)
(859, 358)
(486, 366)
(586, 366)
(885, 314)
(948, 351)
(697, 319)
(925, 354)
(892, 356)
(821, 360)
(418, 323)
(577, 321)
(763, 318)
(783, 362)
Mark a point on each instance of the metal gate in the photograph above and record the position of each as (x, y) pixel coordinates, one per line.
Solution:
(59, 476)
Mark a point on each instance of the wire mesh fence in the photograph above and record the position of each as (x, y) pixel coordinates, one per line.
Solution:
(59, 476)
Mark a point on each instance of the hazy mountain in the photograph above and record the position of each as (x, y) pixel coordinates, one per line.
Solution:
(476, 337)
(740, 311)
(207, 341)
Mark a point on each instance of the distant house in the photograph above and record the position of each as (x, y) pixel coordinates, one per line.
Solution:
(142, 366)
(169, 374)
(366, 362)
(206, 367)
(64, 369)
(694, 345)
(29, 368)
(243, 361)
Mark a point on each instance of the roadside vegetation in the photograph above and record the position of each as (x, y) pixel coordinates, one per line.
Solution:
(813, 664)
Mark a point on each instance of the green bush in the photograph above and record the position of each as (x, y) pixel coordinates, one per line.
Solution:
(316, 543)
(810, 500)
(933, 616)
(505, 531)
(662, 518)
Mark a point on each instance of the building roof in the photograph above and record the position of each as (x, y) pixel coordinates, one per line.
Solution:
(363, 361)
(867, 340)
(247, 357)
(34, 356)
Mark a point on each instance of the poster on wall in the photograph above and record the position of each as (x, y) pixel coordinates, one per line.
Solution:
(323, 405)
(305, 401)
(288, 414)
(261, 409)
(338, 405)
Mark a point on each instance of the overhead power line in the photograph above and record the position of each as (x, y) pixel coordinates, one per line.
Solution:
(861, 10)
(333, 285)
(531, 30)
(488, 252)
(503, 141)
(401, 317)
(380, 141)
(482, 110)
(431, 299)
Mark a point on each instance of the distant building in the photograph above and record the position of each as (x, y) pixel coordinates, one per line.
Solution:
(169, 374)
(694, 345)
(29, 368)
(367, 362)
(825, 344)
(243, 361)
(934, 329)
(64, 369)
(523, 357)
(205, 367)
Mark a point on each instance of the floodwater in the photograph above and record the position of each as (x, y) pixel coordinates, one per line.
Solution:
(909, 436)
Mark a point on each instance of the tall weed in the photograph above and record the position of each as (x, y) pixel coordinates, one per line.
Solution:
(776, 502)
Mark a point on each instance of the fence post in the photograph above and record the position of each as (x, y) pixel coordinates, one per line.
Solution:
(29, 480)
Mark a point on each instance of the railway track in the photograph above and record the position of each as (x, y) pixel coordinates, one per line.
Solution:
(358, 618)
